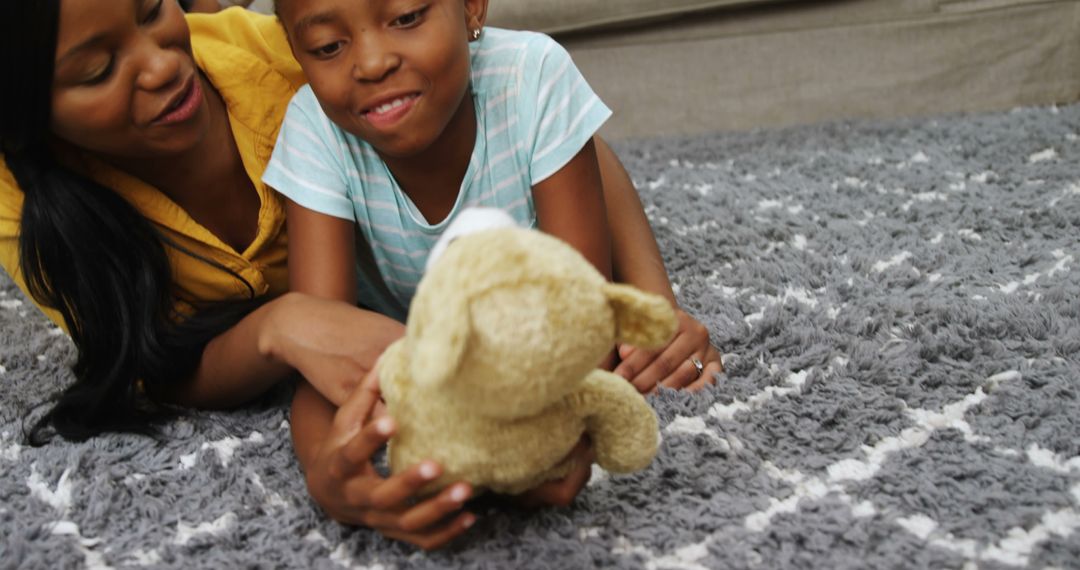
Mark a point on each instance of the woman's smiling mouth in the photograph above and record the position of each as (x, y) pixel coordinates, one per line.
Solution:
(184, 106)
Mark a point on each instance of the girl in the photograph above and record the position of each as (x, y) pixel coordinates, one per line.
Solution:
(413, 112)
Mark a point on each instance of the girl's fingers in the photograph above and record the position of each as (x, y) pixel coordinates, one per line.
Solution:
(713, 356)
(429, 512)
(633, 361)
(562, 492)
(436, 538)
(356, 453)
(642, 369)
(378, 411)
(356, 410)
(394, 491)
(683, 376)
(670, 365)
(708, 377)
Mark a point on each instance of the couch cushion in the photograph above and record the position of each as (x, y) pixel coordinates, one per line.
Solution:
(557, 16)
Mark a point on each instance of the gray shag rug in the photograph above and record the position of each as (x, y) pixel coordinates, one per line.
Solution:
(899, 307)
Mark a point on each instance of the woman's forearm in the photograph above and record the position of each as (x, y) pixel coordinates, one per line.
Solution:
(635, 255)
(332, 344)
(238, 364)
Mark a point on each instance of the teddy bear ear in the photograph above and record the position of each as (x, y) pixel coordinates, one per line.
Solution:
(641, 319)
(439, 342)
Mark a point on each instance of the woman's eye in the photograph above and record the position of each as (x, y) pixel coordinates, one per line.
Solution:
(153, 13)
(410, 19)
(101, 75)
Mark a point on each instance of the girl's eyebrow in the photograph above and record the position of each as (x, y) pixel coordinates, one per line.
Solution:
(315, 19)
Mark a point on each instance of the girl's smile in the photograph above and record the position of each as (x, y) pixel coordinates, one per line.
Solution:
(390, 110)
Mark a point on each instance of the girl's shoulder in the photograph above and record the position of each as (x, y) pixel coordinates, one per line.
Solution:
(501, 47)
(504, 60)
(306, 112)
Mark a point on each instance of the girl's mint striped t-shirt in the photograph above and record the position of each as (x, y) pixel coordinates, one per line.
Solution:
(534, 112)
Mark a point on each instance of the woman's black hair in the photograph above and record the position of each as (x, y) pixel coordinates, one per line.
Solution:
(89, 254)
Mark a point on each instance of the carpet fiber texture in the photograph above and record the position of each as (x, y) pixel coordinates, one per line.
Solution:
(899, 308)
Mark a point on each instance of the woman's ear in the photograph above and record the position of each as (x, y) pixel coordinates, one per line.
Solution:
(475, 15)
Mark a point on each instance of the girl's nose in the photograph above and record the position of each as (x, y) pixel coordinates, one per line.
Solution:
(373, 61)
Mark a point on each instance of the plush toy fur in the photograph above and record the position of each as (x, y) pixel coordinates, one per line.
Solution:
(496, 376)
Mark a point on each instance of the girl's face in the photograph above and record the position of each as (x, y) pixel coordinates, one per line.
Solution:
(392, 72)
(125, 83)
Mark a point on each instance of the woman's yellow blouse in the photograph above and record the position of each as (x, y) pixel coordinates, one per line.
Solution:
(247, 58)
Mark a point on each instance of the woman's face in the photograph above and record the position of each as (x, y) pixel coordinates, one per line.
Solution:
(125, 83)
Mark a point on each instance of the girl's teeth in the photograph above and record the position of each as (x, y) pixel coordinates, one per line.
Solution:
(388, 106)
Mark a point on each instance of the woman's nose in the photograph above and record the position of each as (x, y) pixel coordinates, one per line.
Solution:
(159, 67)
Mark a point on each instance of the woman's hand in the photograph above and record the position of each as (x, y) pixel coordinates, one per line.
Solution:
(332, 344)
(561, 492)
(673, 366)
(341, 478)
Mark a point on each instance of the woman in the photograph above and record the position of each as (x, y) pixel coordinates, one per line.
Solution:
(130, 212)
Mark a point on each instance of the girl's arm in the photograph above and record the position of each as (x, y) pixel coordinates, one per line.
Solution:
(570, 206)
(637, 261)
(635, 254)
(322, 257)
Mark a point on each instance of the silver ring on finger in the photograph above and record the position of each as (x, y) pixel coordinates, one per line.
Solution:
(698, 365)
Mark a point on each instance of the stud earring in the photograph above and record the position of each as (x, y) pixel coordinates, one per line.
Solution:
(476, 34)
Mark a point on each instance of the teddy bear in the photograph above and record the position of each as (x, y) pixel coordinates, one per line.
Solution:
(496, 377)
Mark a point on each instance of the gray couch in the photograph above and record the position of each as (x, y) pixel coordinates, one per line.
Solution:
(688, 66)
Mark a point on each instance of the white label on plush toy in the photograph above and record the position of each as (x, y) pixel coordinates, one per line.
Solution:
(469, 221)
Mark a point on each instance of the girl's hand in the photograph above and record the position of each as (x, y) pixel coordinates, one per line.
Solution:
(561, 492)
(673, 366)
(342, 479)
(332, 344)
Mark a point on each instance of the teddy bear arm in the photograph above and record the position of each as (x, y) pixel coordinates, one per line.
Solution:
(619, 421)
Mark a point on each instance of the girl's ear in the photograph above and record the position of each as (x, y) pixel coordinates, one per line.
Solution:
(475, 14)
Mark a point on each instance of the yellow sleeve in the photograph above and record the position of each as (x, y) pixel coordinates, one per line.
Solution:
(259, 34)
(11, 200)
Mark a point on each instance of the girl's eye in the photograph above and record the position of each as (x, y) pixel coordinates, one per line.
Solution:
(410, 19)
(327, 50)
(153, 14)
